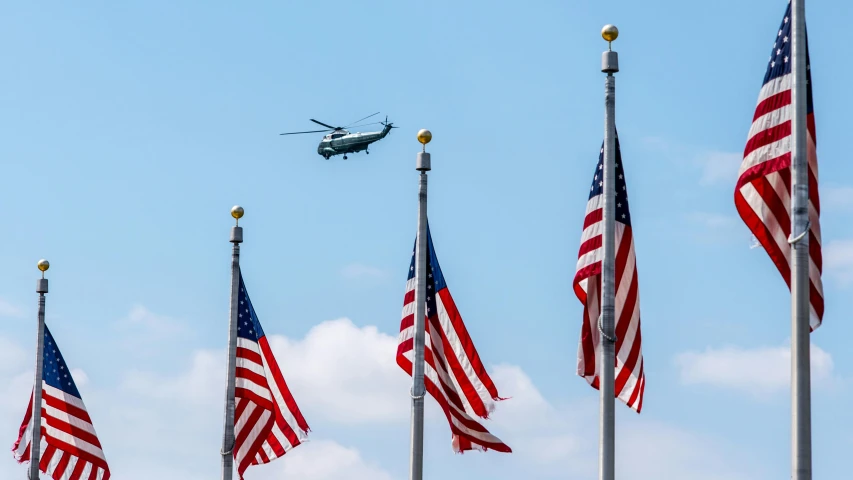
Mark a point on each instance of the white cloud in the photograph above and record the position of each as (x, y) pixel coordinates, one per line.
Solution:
(714, 221)
(142, 321)
(9, 310)
(838, 261)
(325, 460)
(345, 372)
(836, 197)
(195, 387)
(716, 229)
(80, 378)
(719, 167)
(359, 271)
(716, 167)
(342, 374)
(12, 356)
(653, 450)
(560, 441)
(760, 371)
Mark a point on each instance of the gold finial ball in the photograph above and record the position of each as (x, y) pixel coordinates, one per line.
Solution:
(424, 136)
(609, 32)
(237, 212)
(43, 265)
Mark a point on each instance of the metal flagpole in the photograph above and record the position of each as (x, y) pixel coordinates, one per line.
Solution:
(607, 422)
(228, 436)
(35, 443)
(416, 458)
(801, 441)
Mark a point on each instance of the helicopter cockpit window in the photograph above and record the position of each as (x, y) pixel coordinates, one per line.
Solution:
(337, 135)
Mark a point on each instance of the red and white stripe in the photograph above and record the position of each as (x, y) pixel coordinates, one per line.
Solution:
(763, 192)
(453, 372)
(267, 421)
(629, 376)
(69, 446)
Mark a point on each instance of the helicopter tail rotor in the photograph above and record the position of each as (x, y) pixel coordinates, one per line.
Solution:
(388, 125)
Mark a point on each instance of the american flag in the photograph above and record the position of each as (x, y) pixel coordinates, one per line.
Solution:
(763, 192)
(630, 379)
(267, 421)
(453, 372)
(69, 446)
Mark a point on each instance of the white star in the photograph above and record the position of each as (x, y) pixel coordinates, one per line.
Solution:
(623, 215)
(600, 166)
(618, 205)
(241, 302)
(786, 59)
(620, 177)
(772, 64)
(590, 189)
(240, 315)
(780, 33)
(623, 187)
(411, 268)
(785, 40)
(774, 45)
(595, 177)
(778, 51)
(786, 19)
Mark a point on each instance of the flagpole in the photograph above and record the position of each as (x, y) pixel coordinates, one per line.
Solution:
(35, 443)
(607, 422)
(801, 441)
(227, 451)
(418, 392)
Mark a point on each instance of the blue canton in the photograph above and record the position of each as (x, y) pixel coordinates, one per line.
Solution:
(781, 58)
(435, 279)
(597, 188)
(56, 373)
(248, 326)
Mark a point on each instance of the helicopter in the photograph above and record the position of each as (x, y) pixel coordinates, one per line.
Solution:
(341, 141)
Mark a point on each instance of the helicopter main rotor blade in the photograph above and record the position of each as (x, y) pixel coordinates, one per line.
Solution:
(364, 125)
(323, 124)
(311, 131)
(365, 118)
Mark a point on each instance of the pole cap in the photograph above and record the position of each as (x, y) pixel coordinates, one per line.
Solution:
(424, 136)
(237, 212)
(610, 32)
(43, 265)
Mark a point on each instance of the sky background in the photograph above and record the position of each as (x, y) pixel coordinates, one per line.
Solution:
(128, 131)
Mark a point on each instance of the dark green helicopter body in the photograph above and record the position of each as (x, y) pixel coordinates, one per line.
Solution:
(341, 142)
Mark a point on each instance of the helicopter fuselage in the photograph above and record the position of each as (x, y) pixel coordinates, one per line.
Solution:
(341, 142)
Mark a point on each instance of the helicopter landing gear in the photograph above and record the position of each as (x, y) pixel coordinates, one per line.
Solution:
(345, 157)
(367, 152)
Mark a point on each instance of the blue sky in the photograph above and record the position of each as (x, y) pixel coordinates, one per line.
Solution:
(128, 131)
